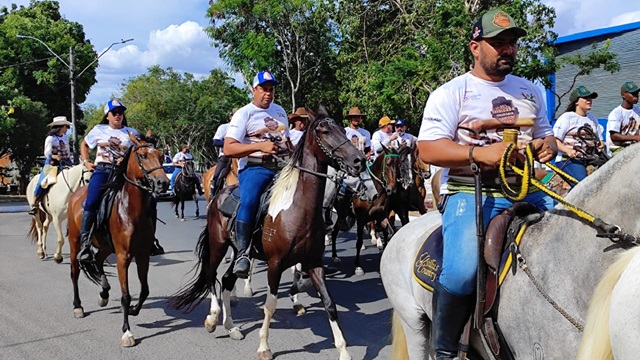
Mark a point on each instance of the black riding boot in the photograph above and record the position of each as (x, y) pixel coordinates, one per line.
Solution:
(450, 314)
(244, 232)
(85, 253)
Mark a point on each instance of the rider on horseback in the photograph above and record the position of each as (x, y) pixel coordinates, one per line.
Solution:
(463, 123)
(257, 131)
(111, 137)
(178, 161)
(56, 153)
(383, 137)
(224, 164)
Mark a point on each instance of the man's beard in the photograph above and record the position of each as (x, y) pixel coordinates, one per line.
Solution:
(499, 69)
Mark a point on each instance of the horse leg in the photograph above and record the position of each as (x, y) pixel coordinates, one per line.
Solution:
(334, 236)
(182, 210)
(40, 234)
(78, 311)
(142, 263)
(248, 291)
(317, 278)
(297, 286)
(57, 257)
(360, 231)
(176, 203)
(45, 231)
(228, 283)
(104, 283)
(273, 276)
(127, 339)
(195, 198)
(372, 232)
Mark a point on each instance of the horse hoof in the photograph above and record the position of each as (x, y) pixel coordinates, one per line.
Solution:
(359, 271)
(103, 302)
(327, 240)
(210, 323)
(40, 254)
(177, 217)
(78, 313)
(57, 259)
(345, 355)
(127, 339)
(235, 334)
(233, 301)
(379, 245)
(182, 219)
(299, 309)
(265, 355)
(197, 214)
(364, 247)
(336, 260)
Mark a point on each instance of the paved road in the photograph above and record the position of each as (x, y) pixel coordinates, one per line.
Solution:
(36, 318)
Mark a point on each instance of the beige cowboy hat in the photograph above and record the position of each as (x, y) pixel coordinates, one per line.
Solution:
(301, 113)
(354, 111)
(59, 120)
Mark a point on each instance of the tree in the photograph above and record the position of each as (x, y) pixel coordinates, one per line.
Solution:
(179, 108)
(33, 81)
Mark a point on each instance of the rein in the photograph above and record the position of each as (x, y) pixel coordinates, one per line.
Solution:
(145, 172)
(610, 231)
(384, 180)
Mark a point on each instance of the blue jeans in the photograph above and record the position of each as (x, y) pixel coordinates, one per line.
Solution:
(254, 181)
(176, 171)
(100, 176)
(573, 167)
(460, 248)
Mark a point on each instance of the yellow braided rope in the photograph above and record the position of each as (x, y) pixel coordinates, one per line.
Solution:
(527, 179)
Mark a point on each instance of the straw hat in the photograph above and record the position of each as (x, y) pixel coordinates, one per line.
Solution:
(59, 120)
(354, 111)
(300, 113)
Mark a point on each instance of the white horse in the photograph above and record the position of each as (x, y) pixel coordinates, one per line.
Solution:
(53, 207)
(562, 252)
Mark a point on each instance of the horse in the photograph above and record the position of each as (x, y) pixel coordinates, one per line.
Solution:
(407, 197)
(185, 189)
(128, 231)
(230, 179)
(53, 207)
(384, 171)
(292, 232)
(561, 251)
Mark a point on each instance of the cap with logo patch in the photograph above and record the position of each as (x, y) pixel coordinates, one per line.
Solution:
(629, 87)
(582, 92)
(264, 77)
(492, 23)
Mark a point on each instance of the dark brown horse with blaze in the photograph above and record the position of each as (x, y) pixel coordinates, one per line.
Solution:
(292, 231)
(128, 231)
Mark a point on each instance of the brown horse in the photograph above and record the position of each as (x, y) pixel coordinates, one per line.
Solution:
(293, 231)
(410, 195)
(384, 172)
(130, 229)
(231, 179)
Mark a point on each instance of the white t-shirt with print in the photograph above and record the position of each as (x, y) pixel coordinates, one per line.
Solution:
(112, 143)
(252, 124)
(405, 139)
(57, 145)
(472, 111)
(296, 135)
(361, 138)
(566, 130)
(180, 157)
(221, 132)
(378, 139)
(623, 121)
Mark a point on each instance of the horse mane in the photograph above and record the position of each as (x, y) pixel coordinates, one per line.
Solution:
(287, 180)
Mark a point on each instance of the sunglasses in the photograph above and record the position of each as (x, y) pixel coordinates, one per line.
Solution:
(117, 112)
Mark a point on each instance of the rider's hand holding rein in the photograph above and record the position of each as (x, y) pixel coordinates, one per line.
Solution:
(544, 150)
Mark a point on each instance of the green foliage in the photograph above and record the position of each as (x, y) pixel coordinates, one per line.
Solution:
(178, 108)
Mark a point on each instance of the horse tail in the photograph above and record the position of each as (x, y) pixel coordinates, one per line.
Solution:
(399, 340)
(33, 231)
(596, 341)
(192, 294)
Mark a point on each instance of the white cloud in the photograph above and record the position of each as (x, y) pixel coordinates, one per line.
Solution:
(625, 18)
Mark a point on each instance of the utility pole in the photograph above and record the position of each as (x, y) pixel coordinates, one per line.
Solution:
(72, 83)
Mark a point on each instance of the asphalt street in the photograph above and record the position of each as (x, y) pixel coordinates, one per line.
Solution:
(36, 310)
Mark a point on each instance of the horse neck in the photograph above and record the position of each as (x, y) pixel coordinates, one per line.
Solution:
(311, 183)
(70, 177)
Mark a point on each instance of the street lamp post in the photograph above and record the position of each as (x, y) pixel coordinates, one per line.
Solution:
(72, 83)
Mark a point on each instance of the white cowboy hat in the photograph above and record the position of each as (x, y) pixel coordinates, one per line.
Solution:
(59, 120)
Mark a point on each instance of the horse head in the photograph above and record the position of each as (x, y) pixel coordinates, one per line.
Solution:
(189, 169)
(145, 166)
(385, 169)
(420, 168)
(405, 175)
(331, 146)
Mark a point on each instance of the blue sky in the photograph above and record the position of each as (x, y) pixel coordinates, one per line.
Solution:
(170, 33)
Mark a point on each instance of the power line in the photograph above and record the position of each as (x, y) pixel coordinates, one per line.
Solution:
(27, 62)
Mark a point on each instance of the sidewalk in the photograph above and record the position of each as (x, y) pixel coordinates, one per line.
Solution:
(13, 204)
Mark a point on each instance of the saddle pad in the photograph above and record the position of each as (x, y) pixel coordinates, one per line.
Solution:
(428, 261)
(229, 206)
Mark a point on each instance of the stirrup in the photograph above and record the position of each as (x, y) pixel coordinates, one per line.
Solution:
(242, 273)
(33, 210)
(86, 254)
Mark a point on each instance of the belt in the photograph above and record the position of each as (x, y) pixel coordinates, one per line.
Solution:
(261, 160)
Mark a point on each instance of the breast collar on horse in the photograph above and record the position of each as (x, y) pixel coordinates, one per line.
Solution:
(145, 172)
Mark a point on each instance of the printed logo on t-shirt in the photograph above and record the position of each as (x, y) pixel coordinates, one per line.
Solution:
(504, 111)
(273, 131)
(631, 128)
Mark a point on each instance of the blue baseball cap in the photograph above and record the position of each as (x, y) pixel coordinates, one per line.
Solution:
(401, 122)
(263, 77)
(113, 104)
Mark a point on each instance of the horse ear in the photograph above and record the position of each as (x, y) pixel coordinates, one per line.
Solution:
(134, 139)
(385, 149)
(322, 111)
(312, 115)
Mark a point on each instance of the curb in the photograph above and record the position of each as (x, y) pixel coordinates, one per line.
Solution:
(14, 208)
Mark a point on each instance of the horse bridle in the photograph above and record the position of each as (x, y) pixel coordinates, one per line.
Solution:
(330, 152)
(384, 182)
(145, 171)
